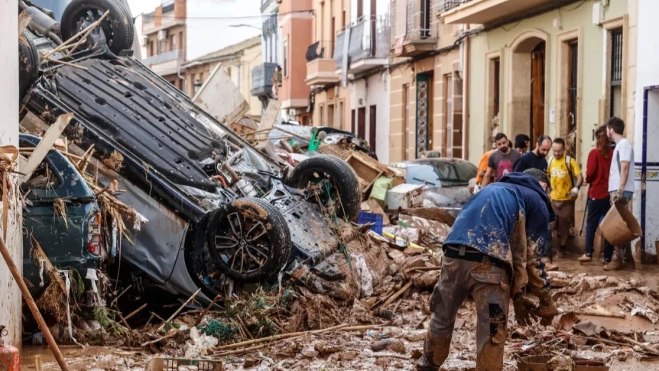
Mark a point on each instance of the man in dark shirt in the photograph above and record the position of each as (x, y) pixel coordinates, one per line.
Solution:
(493, 254)
(501, 161)
(536, 158)
(522, 142)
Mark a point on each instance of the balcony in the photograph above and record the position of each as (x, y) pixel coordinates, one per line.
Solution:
(166, 63)
(262, 76)
(416, 32)
(492, 11)
(368, 45)
(321, 68)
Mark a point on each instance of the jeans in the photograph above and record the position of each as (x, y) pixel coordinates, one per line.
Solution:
(596, 211)
(608, 248)
(547, 251)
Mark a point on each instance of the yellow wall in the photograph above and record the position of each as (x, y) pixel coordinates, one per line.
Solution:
(251, 58)
(577, 18)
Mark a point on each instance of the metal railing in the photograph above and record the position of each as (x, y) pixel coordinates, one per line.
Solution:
(163, 57)
(446, 5)
(262, 78)
(320, 50)
(369, 38)
(420, 21)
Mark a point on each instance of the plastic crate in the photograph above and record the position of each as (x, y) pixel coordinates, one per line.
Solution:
(180, 364)
(366, 217)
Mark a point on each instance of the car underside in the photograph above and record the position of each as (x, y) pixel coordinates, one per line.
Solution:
(218, 208)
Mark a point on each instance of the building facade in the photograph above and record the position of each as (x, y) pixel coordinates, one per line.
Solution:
(266, 77)
(330, 101)
(644, 56)
(296, 23)
(181, 30)
(237, 61)
(426, 83)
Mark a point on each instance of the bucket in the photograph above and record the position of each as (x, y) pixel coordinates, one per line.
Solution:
(619, 226)
(539, 363)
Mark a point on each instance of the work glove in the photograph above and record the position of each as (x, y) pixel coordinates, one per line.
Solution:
(477, 188)
(617, 196)
(575, 192)
(524, 310)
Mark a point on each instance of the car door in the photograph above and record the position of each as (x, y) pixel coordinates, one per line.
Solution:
(61, 214)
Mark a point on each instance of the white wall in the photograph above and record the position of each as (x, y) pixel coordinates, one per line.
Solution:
(206, 35)
(10, 296)
(375, 91)
(647, 74)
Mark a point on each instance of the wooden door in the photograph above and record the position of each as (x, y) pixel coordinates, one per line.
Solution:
(538, 91)
(353, 126)
(361, 122)
(372, 127)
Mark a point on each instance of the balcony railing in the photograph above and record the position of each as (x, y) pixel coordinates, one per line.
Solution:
(321, 68)
(420, 25)
(369, 39)
(163, 57)
(262, 79)
(446, 5)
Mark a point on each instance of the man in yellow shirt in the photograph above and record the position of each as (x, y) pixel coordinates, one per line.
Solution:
(565, 176)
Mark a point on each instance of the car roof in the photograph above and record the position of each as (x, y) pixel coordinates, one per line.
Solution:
(432, 161)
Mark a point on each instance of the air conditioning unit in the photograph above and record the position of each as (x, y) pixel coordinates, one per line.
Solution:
(145, 40)
(162, 35)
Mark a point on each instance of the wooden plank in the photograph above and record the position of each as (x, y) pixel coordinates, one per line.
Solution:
(46, 143)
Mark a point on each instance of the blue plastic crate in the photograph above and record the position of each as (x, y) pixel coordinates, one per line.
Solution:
(366, 217)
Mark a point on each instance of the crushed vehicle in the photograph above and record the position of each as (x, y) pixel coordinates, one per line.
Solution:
(445, 181)
(218, 209)
(70, 237)
(302, 135)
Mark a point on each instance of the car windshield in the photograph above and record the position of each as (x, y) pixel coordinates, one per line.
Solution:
(441, 174)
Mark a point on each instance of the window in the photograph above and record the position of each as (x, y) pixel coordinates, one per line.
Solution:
(496, 86)
(330, 115)
(180, 40)
(406, 115)
(321, 115)
(45, 176)
(285, 67)
(448, 116)
(172, 43)
(616, 73)
(341, 113)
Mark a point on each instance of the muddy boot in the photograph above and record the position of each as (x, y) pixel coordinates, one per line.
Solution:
(435, 352)
(548, 265)
(614, 265)
(586, 258)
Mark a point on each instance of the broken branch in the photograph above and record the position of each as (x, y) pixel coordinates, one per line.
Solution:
(179, 310)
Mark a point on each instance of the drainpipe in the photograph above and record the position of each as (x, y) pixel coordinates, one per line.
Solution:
(464, 61)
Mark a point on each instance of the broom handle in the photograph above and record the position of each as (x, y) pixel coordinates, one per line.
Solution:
(33, 306)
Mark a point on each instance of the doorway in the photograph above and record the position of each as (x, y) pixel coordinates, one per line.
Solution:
(537, 127)
(527, 85)
(361, 122)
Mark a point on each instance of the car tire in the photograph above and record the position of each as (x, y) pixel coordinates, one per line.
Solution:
(118, 25)
(229, 230)
(28, 64)
(338, 172)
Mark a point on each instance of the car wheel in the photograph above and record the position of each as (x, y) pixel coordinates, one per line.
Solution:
(339, 180)
(117, 27)
(28, 61)
(249, 239)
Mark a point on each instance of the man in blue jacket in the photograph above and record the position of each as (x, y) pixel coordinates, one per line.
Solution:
(493, 254)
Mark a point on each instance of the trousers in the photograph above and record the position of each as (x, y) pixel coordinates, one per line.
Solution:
(489, 287)
(596, 211)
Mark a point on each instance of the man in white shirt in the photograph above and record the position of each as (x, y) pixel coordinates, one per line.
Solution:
(621, 184)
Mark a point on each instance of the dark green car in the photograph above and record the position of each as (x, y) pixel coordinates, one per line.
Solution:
(70, 239)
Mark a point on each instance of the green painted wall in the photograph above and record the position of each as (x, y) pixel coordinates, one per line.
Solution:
(573, 16)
